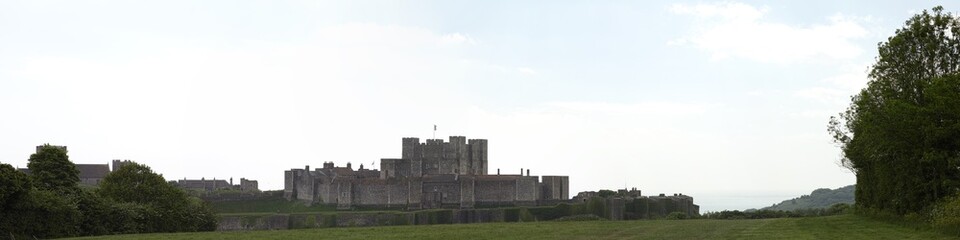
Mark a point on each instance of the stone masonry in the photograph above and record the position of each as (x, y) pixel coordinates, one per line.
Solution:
(434, 174)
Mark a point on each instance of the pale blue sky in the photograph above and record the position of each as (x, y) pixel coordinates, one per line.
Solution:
(724, 101)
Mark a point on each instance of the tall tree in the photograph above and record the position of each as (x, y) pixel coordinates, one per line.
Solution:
(170, 209)
(899, 134)
(13, 185)
(51, 169)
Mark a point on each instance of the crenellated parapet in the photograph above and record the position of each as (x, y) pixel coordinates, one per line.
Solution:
(430, 174)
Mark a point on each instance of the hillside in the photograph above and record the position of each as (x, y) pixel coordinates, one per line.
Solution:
(820, 198)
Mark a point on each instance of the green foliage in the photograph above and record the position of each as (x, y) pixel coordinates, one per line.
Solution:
(95, 213)
(518, 214)
(550, 213)
(836, 209)
(945, 216)
(597, 206)
(901, 134)
(604, 193)
(45, 214)
(49, 204)
(439, 216)
(582, 217)
(166, 207)
(269, 204)
(13, 186)
(28, 212)
(820, 198)
(51, 169)
(676, 216)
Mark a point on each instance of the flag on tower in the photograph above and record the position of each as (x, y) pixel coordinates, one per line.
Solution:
(434, 127)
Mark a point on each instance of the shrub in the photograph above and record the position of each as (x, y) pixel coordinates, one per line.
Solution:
(581, 217)
(946, 215)
(676, 216)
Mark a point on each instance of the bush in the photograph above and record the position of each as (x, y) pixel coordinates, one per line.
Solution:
(581, 217)
(597, 206)
(44, 214)
(550, 213)
(676, 216)
(946, 215)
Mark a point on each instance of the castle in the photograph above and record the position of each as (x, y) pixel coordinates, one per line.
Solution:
(207, 185)
(435, 174)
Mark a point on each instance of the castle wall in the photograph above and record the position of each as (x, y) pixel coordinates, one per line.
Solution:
(430, 174)
(412, 149)
(414, 193)
(345, 194)
(447, 185)
(477, 155)
(380, 192)
(306, 186)
(467, 192)
(555, 188)
(416, 167)
(288, 184)
(495, 189)
(249, 185)
(457, 153)
(527, 190)
(432, 154)
(326, 192)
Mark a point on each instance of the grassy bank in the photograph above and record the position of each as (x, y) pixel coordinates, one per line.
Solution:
(833, 227)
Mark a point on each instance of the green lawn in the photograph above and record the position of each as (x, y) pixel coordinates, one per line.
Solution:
(834, 227)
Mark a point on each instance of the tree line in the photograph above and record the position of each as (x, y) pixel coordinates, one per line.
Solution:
(50, 202)
(901, 133)
(836, 209)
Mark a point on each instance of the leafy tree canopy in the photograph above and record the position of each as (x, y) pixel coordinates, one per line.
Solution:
(168, 208)
(51, 169)
(13, 185)
(901, 134)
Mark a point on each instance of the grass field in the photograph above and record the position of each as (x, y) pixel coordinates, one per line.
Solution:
(833, 227)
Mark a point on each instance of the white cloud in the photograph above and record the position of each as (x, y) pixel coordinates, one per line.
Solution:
(528, 71)
(659, 109)
(835, 91)
(727, 11)
(737, 30)
(457, 38)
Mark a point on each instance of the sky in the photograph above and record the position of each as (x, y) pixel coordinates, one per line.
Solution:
(724, 101)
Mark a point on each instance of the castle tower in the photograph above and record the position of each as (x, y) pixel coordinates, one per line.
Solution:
(413, 151)
(433, 157)
(457, 154)
(477, 155)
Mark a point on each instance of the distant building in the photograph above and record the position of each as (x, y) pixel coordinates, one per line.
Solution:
(90, 174)
(659, 205)
(211, 185)
(434, 174)
(93, 174)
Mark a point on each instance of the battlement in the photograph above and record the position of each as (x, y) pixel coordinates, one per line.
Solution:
(433, 173)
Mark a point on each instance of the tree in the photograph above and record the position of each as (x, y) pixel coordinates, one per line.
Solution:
(51, 169)
(161, 206)
(13, 185)
(900, 134)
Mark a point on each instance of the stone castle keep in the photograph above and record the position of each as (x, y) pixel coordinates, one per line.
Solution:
(434, 174)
